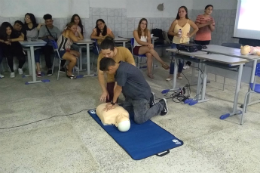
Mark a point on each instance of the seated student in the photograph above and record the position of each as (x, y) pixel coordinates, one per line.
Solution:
(138, 96)
(65, 41)
(101, 31)
(77, 20)
(109, 50)
(32, 29)
(19, 27)
(143, 45)
(48, 32)
(11, 47)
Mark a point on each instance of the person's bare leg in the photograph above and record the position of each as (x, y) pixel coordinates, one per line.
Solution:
(158, 58)
(149, 65)
(72, 62)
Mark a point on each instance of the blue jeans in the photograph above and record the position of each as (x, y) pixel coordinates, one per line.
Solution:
(180, 64)
(142, 110)
(37, 55)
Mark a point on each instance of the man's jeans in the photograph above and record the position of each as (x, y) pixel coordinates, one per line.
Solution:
(142, 110)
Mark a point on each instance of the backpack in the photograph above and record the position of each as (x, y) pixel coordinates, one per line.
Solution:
(158, 33)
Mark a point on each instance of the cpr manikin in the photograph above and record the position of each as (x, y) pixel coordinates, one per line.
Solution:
(117, 116)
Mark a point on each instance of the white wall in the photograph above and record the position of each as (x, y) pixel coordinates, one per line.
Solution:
(148, 8)
(108, 3)
(218, 4)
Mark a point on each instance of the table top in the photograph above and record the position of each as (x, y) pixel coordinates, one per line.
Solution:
(33, 43)
(85, 41)
(222, 59)
(186, 53)
(228, 51)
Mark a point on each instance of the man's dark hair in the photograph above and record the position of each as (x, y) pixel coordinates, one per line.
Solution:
(47, 16)
(19, 22)
(105, 63)
(108, 43)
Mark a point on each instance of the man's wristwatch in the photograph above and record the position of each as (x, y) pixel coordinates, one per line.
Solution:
(112, 103)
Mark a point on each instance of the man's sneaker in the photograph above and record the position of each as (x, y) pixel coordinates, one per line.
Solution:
(12, 75)
(186, 67)
(49, 72)
(39, 74)
(165, 107)
(63, 70)
(20, 71)
(2, 76)
(152, 99)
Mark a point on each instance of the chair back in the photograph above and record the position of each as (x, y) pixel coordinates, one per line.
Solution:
(257, 70)
(96, 47)
(54, 44)
(132, 44)
(232, 45)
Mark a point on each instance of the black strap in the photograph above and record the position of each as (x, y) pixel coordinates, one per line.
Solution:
(49, 32)
(163, 153)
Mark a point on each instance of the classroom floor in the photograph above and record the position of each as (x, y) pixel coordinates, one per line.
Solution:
(77, 143)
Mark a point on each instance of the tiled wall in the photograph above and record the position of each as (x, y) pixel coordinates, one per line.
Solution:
(122, 25)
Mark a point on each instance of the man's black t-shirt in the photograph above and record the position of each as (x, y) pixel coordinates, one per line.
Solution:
(132, 81)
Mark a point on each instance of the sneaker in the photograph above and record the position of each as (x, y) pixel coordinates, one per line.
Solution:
(2, 76)
(165, 107)
(152, 99)
(12, 75)
(39, 74)
(49, 72)
(186, 67)
(63, 70)
(20, 71)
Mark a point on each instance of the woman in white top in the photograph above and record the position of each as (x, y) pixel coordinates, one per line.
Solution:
(143, 45)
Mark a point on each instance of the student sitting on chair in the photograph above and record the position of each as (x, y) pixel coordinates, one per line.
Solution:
(138, 96)
(143, 45)
(32, 30)
(47, 33)
(65, 41)
(11, 47)
(109, 50)
(101, 31)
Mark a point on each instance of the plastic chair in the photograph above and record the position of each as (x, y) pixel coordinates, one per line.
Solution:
(57, 54)
(255, 88)
(139, 59)
(232, 45)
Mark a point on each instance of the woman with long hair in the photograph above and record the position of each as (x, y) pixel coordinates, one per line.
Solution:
(66, 39)
(101, 31)
(32, 30)
(180, 30)
(143, 45)
(77, 20)
(206, 25)
(9, 41)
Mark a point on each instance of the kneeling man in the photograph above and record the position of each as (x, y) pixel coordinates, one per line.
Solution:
(137, 92)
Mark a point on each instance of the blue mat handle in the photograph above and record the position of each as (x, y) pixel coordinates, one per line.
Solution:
(163, 153)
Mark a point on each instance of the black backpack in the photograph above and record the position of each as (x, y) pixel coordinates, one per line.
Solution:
(158, 33)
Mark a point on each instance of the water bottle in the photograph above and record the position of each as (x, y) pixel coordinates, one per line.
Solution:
(180, 33)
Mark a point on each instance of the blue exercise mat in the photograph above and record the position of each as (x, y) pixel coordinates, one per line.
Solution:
(142, 140)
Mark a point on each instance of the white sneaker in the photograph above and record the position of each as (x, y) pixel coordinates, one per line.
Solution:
(20, 71)
(2, 76)
(186, 67)
(12, 75)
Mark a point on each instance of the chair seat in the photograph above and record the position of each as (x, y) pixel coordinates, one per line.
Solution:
(257, 87)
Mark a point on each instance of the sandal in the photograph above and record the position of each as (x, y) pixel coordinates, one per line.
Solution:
(71, 77)
(165, 66)
(150, 76)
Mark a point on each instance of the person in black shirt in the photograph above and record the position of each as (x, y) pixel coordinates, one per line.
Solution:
(11, 47)
(138, 97)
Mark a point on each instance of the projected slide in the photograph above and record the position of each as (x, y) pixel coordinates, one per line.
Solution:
(249, 15)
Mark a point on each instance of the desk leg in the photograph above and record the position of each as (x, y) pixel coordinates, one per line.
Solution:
(249, 88)
(205, 76)
(29, 62)
(123, 43)
(235, 111)
(80, 59)
(198, 94)
(33, 67)
(174, 74)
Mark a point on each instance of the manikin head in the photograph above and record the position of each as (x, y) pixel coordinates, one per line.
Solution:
(122, 123)
(245, 50)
